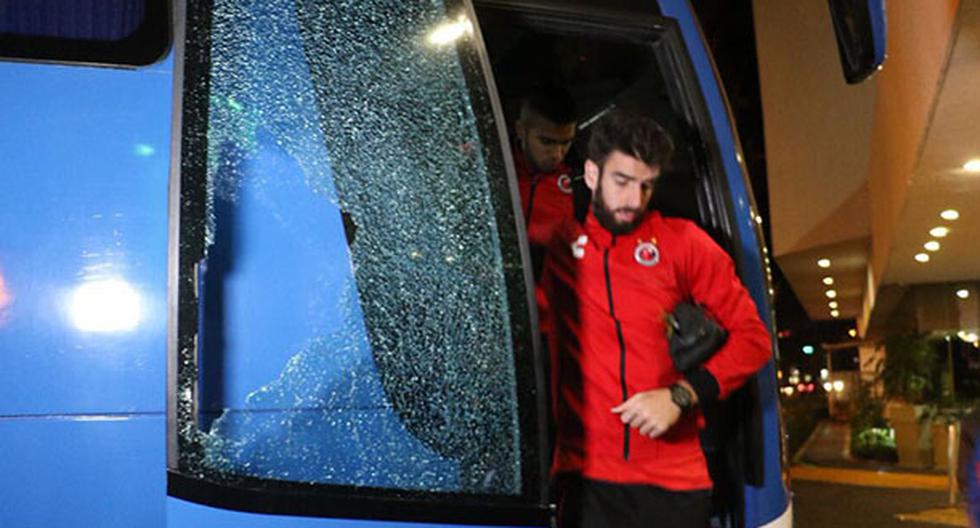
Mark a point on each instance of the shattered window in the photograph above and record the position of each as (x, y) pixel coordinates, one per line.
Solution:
(354, 296)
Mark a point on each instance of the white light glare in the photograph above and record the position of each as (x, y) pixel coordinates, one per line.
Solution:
(949, 214)
(824, 373)
(931, 245)
(852, 332)
(832, 305)
(831, 294)
(963, 293)
(449, 32)
(834, 313)
(828, 386)
(824, 263)
(922, 257)
(105, 306)
(829, 281)
(939, 232)
(838, 386)
(972, 166)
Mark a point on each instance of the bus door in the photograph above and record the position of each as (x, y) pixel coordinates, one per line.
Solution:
(639, 57)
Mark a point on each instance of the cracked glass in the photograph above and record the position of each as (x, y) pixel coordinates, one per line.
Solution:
(354, 324)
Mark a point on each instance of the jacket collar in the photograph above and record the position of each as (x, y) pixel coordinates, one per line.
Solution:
(601, 237)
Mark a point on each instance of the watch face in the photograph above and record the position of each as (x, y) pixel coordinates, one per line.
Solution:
(680, 396)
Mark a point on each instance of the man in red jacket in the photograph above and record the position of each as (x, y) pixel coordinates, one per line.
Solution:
(628, 451)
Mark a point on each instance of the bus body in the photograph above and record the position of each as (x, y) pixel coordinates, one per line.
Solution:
(275, 275)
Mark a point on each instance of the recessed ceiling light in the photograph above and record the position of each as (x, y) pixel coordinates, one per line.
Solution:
(834, 313)
(824, 263)
(939, 232)
(949, 214)
(972, 166)
(829, 281)
(831, 294)
(963, 293)
(832, 305)
(931, 245)
(922, 257)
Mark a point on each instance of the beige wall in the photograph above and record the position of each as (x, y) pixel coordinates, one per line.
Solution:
(919, 34)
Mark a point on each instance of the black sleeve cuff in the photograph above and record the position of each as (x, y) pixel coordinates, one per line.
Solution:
(704, 384)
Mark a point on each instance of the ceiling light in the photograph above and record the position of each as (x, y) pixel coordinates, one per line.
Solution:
(824, 263)
(832, 305)
(834, 313)
(972, 166)
(852, 332)
(962, 293)
(831, 294)
(939, 232)
(949, 214)
(931, 245)
(922, 257)
(829, 281)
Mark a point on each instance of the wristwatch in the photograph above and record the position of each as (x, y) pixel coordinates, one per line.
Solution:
(681, 397)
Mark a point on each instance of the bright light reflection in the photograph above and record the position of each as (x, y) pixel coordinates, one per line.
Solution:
(829, 281)
(852, 332)
(828, 386)
(939, 232)
(144, 150)
(963, 293)
(832, 305)
(922, 257)
(111, 305)
(949, 214)
(823, 263)
(834, 313)
(972, 166)
(824, 373)
(931, 245)
(831, 294)
(449, 32)
(838, 386)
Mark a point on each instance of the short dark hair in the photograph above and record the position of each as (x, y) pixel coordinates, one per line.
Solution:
(637, 136)
(550, 101)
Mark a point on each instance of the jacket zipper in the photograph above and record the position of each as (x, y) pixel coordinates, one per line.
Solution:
(622, 349)
(530, 199)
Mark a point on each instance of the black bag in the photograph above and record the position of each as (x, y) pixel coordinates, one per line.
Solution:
(693, 336)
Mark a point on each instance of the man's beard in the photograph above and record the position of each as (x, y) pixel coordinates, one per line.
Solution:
(607, 217)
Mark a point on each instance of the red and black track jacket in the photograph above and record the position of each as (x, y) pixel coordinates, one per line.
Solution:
(546, 199)
(610, 295)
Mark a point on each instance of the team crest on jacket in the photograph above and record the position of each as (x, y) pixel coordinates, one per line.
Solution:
(578, 247)
(646, 253)
(565, 184)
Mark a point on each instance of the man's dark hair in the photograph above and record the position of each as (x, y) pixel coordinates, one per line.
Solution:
(551, 102)
(637, 136)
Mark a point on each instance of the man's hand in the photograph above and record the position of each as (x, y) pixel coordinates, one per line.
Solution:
(651, 412)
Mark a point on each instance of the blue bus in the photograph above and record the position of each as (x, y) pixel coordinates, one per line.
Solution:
(261, 263)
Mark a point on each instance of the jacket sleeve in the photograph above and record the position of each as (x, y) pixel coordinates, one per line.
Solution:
(712, 283)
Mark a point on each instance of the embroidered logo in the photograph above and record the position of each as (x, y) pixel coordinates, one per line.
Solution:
(565, 183)
(578, 247)
(646, 253)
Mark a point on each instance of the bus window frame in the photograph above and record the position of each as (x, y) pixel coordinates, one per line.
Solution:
(186, 249)
(148, 44)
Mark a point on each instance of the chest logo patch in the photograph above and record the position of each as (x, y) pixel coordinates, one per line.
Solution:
(578, 247)
(565, 184)
(646, 253)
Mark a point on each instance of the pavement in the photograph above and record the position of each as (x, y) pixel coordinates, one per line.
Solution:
(832, 488)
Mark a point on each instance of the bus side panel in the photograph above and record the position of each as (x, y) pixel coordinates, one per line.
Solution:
(182, 514)
(83, 226)
(768, 502)
(106, 472)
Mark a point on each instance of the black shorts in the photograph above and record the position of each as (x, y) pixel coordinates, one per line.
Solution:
(586, 503)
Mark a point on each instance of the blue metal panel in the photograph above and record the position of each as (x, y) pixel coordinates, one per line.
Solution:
(85, 155)
(68, 471)
(768, 502)
(183, 514)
